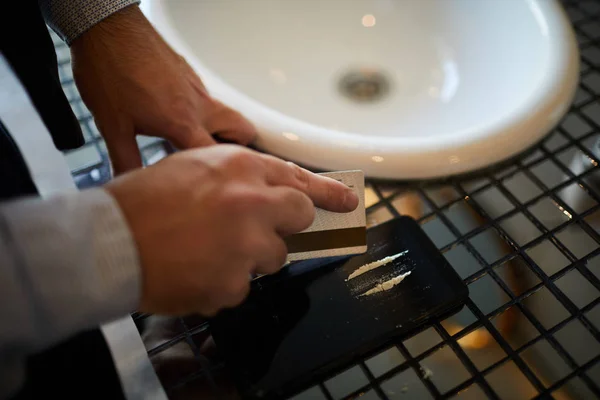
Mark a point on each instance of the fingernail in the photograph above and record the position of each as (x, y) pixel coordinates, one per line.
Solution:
(350, 200)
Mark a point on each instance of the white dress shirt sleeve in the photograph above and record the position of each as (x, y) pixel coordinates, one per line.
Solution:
(67, 263)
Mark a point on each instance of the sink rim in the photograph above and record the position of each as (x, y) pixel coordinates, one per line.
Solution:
(426, 157)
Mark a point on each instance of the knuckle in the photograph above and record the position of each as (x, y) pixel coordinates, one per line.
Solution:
(209, 311)
(299, 174)
(299, 211)
(244, 289)
(250, 243)
(305, 208)
(281, 256)
(278, 259)
(182, 107)
(241, 124)
(243, 160)
(183, 131)
(256, 198)
(237, 290)
(308, 218)
(245, 200)
(229, 199)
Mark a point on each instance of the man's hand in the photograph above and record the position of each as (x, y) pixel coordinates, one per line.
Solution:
(205, 219)
(134, 83)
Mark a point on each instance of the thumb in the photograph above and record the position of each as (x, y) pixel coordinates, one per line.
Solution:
(197, 137)
(124, 153)
(230, 125)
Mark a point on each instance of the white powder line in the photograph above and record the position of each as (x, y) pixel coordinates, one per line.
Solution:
(427, 373)
(387, 285)
(375, 264)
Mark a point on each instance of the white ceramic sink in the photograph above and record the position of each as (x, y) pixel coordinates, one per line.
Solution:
(400, 89)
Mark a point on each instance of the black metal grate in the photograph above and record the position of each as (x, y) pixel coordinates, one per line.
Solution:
(525, 238)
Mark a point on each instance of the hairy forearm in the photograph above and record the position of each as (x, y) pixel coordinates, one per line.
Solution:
(119, 38)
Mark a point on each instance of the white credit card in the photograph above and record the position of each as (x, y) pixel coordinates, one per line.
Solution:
(334, 234)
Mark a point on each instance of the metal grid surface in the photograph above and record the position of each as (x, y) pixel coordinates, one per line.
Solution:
(525, 238)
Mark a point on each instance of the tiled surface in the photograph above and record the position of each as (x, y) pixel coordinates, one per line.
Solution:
(346, 382)
(546, 308)
(445, 369)
(508, 379)
(521, 333)
(523, 237)
(482, 348)
(551, 368)
(463, 261)
(405, 385)
(385, 361)
(518, 276)
(487, 294)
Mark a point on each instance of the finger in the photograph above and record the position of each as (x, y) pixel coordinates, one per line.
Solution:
(236, 290)
(326, 193)
(234, 137)
(230, 125)
(243, 292)
(198, 137)
(124, 153)
(271, 259)
(290, 210)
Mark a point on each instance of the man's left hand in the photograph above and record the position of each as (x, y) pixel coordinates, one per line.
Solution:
(135, 84)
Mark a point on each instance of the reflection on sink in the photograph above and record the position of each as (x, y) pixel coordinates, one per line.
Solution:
(399, 89)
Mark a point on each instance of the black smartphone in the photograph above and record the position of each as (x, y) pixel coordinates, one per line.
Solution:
(309, 320)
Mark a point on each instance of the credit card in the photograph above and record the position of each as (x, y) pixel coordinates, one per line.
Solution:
(333, 234)
(312, 320)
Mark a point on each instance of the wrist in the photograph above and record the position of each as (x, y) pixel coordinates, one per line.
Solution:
(122, 28)
(70, 20)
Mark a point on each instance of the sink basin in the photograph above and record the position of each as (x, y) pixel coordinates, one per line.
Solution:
(400, 89)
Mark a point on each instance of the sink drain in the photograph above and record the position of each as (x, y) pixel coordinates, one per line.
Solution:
(364, 85)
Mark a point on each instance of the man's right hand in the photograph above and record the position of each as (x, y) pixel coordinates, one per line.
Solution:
(204, 220)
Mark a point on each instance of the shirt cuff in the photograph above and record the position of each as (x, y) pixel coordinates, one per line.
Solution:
(71, 18)
(79, 259)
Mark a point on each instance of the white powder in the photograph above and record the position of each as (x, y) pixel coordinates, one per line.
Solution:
(387, 285)
(375, 264)
(427, 373)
